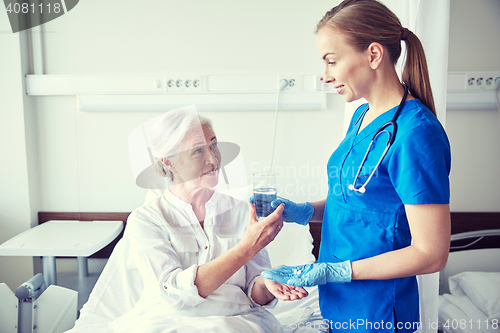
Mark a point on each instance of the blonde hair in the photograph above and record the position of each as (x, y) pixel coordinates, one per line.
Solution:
(366, 21)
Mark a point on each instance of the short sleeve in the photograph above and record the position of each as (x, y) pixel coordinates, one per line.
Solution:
(420, 165)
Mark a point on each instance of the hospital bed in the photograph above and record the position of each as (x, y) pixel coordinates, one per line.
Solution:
(35, 308)
(469, 300)
(295, 244)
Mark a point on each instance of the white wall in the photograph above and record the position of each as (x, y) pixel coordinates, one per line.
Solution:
(19, 199)
(56, 158)
(82, 159)
(474, 134)
(84, 162)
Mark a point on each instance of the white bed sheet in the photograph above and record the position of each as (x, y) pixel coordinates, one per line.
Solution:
(301, 316)
(457, 314)
(470, 302)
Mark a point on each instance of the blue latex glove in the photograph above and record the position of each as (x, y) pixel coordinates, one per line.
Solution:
(300, 213)
(311, 275)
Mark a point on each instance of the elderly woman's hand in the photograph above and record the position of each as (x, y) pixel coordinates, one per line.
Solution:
(285, 292)
(260, 233)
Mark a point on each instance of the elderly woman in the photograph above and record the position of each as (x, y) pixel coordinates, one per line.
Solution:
(199, 252)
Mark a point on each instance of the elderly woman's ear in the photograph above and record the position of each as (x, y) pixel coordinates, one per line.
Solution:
(168, 164)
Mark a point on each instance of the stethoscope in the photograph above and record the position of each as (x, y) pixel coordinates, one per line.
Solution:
(381, 130)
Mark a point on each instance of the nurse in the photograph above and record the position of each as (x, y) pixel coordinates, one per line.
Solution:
(376, 239)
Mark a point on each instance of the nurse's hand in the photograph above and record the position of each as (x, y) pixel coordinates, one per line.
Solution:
(300, 213)
(260, 233)
(284, 292)
(312, 274)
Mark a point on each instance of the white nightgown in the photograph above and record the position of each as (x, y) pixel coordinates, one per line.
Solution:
(167, 244)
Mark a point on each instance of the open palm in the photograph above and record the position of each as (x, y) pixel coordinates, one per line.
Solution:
(285, 292)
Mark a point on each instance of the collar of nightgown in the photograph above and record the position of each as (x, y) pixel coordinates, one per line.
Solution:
(182, 205)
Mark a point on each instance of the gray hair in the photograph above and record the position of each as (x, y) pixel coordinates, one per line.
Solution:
(167, 135)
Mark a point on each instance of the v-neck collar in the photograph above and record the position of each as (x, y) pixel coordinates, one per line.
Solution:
(372, 127)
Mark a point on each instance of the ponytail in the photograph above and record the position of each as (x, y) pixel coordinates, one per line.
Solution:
(415, 72)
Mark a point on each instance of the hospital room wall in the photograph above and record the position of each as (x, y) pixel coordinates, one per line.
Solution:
(19, 192)
(84, 164)
(474, 134)
(76, 176)
(61, 159)
(81, 158)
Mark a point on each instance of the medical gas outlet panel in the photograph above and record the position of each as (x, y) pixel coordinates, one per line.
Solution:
(245, 83)
(168, 91)
(248, 91)
(473, 81)
(473, 90)
(183, 83)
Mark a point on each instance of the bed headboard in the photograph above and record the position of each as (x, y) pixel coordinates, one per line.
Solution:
(475, 246)
(460, 222)
(474, 221)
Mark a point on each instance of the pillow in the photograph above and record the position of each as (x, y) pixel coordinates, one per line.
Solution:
(293, 246)
(482, 288)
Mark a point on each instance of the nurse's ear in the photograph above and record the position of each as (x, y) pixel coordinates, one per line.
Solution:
(375, 52)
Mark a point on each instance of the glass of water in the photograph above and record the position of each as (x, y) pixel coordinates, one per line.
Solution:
(264, 192)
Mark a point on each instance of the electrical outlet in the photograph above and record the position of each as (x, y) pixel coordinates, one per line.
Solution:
(477, 81)
(294, 82)
(192, 83)
(184, 83)
(174, 84)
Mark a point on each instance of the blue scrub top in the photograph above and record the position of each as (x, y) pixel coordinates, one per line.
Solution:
(362, 225)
